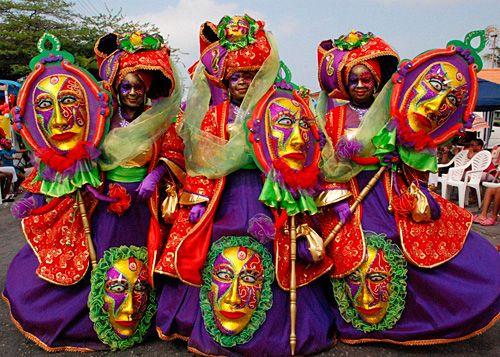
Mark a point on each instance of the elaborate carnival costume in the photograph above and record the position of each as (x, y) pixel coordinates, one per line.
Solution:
(137, 153)
(62, 115)
(234, 251)
(424, 278)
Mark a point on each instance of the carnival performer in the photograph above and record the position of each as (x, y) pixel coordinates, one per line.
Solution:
(229, 239)
(62, 115)
(423, 277)
(140, 150)
(142, 146)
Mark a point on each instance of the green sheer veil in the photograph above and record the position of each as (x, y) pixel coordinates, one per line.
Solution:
(373, 121)
(123, 144)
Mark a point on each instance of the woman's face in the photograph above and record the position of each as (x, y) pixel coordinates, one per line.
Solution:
(361, 84)
(132, 91)
(239, 83)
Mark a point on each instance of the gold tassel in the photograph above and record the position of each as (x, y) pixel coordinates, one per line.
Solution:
(169, 204)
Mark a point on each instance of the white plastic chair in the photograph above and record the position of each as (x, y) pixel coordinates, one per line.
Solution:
(478, 164)
(459, 159)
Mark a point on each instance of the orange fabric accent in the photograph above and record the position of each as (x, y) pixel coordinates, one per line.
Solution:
(58, 240)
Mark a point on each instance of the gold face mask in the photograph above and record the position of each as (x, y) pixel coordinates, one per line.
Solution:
(237, 281)
(237, 29)
(369, 287)
(61, 109)
(434, 96)
(291, 131)
(126, 295)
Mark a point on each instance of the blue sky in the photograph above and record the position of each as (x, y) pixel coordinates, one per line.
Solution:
(410, 26)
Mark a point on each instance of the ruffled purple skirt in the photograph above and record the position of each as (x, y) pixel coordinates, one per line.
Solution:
(178, 307)
(56, 317)
(456, 300)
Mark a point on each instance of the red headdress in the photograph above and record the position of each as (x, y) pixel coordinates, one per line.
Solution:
(225, 51)
(337, 57)
(144, 54)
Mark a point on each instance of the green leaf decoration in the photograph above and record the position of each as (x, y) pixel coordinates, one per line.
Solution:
(50, 56)
(138, 41)
(466, 44)
(53, 40)
(352, 40)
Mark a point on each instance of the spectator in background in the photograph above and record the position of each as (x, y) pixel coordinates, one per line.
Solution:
(7, 158)
(475, 146)
(492, 194)
(5, 183)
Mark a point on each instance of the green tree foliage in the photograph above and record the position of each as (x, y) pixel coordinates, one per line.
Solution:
(22, 22)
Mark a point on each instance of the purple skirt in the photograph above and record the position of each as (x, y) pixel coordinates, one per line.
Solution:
(178, 307)
(56, 317)
(456, 300)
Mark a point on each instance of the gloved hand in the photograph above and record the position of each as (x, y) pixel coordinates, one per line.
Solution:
(148, 185)
(197, 212)
(25, 206)
(342, 210)
(99, 195)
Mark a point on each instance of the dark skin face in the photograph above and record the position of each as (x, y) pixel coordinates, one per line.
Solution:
(132, 92)
(238, 85)
(362, 86)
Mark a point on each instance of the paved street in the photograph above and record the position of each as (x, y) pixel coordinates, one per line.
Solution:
(12, 343)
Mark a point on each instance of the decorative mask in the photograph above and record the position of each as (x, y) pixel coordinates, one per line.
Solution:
(285, 137)
(372, 297)
(434, 94)
(122, 302)
(236, 291)
(62, 115)
(61, 110)
(237, 28)
(60, 105)
(237, 31)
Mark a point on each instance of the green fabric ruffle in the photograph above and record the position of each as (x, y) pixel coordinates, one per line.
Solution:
(385, 143)
(87, 174)
(273, 195)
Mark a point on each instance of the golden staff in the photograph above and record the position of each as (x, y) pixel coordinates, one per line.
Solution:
(86, 229)
(293, 284)
(356, 203)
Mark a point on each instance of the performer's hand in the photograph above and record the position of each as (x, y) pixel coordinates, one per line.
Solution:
(197, 212)
(25, 206)
(148, 185)
(342, 210)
